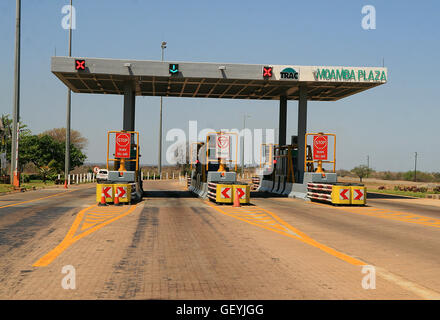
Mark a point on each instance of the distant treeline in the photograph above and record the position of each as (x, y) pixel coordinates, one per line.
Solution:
(388, 175)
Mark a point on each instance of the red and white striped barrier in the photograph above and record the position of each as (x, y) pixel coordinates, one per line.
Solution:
(320, 196)
(320, 191)
(212, 190)
(320, 186)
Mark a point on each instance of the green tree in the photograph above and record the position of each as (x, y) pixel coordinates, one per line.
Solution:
(362, 171)
(6, 136)
(45, 151)
(59, 135)
(47, 154)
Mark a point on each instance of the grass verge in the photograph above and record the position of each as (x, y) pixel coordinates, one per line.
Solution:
(399, 193)
(28, 185)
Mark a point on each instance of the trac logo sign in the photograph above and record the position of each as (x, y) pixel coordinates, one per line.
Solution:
(289, 73)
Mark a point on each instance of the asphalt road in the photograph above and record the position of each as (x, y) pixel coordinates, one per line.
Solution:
(175, 246)
(425, 207)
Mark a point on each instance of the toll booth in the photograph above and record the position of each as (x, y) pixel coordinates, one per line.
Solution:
(214, 169)
(278, 167)
(263, 180)
(285, 171)
(319, 183)
(123, 183)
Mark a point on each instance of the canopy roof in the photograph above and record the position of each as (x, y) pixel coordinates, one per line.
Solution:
(214, 80)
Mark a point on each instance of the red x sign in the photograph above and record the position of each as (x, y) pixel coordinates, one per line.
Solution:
(80, 64)
(267, 72)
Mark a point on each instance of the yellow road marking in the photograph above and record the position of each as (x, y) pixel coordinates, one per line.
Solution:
(415, 288)
(99, 215)
(389, 214)
(298, 235)
(94, 219)
(33, 200)
(71, 238)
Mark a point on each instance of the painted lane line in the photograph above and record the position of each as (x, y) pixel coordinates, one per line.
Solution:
(298, 235)
(71, 238)
(418, 290)
(388, 214)
(33, 200)
(421, 291)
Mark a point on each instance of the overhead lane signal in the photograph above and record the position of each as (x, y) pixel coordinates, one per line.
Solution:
(80, 65)
(173, 68)
(267, 72)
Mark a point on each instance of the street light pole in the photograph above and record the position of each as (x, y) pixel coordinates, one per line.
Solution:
(368, 164)
(15, 175)
(163, 46)
(242, 148)
(415, 167)
(68, 111)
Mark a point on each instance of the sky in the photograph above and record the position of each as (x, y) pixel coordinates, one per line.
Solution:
(388, 123)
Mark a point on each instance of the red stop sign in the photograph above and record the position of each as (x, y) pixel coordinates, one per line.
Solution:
(320, 147)
(122, 148)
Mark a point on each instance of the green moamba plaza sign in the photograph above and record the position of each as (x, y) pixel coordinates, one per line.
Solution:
(342, 74)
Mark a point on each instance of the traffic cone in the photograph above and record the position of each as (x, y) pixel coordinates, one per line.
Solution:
(65, 184)
(236, 199)
(103, 202)
(116, 202)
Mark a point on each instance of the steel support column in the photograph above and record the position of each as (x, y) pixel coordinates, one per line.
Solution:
(302, 129)
(129, 106)
(129, 115)
(16, 106)
(282, 127)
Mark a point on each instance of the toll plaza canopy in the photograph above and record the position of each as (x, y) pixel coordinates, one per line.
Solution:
(132, 78)
(214, 80)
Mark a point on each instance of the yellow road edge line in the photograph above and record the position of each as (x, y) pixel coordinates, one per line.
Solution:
(51, 255)
(393, 215)
(69, 239)
(303, 237)
(33, 200)
(79, 236)
(100, 215)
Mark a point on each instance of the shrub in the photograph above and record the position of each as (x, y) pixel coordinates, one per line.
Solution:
(35, 176)
(343, 173)
(362, 171)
